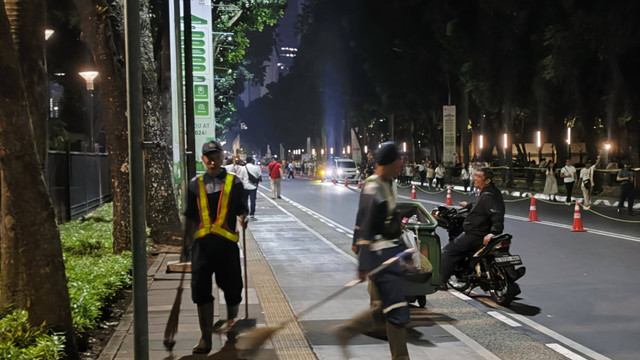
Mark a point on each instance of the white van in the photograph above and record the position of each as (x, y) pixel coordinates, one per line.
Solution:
(342, 169)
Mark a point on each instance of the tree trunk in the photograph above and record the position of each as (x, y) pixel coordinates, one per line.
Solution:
(28, 220)
(97, 32)
(162, 210)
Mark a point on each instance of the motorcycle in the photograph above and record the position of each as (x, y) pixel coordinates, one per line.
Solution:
(492, 268)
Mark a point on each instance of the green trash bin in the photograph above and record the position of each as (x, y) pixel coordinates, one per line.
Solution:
(417, 286)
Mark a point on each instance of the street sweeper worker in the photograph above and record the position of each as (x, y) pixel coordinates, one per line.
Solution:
(214, 206)
(375, 239)
(485, 220)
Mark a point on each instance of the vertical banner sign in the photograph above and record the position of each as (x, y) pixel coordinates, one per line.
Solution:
(202, 27)
(449, 134)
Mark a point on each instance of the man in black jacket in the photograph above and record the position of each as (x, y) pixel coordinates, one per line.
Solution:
(485, 220)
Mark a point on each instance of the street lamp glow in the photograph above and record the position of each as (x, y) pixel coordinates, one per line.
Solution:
(48, 33)
(504, 140)
(538, 138)
(365, 149)
(89, 76)
(404, 147)
(481, 141)
(331, 151)
(348, 149)
(568, 136)
(344, 151)
(313, 152)
(322, 152)
(607, 146)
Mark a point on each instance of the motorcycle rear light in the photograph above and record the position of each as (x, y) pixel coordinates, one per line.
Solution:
(505, 243)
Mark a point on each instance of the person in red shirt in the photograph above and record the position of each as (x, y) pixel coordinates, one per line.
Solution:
(275, 175)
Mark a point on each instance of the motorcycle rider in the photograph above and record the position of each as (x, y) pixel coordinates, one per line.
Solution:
(484, 221)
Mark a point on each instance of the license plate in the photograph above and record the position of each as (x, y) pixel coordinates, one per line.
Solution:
(509, 260)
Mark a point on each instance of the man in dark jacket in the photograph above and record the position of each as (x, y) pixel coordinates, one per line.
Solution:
(485, 220)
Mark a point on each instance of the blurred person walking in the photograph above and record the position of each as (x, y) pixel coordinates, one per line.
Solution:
(440, 171)
(375, 241)
(214, 207)
(568, 174)
(550, 182)
(431, 174)
(251, 178)
(275, 177)
(465, 177)
(423, 172)
(290, 169)
(625, 176)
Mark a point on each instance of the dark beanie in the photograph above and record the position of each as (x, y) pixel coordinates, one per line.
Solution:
(387, 153)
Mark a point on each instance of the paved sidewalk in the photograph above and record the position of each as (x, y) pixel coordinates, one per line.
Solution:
(294, 260)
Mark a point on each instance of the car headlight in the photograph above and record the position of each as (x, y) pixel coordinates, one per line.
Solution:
(322, 172)
(358, 172)
(340, 171)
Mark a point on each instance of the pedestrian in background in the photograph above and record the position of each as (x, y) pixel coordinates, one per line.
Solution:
(254, 177)
(440, 171)
(550, 182)
(568, 175)
(214, 207)
(465, 177)
(275, 177)
(290, 170)
(586, 181)
(625, 177)
(431, 174)
(374, 240)
(422, 170)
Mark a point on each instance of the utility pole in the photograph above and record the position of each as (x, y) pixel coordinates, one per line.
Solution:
(136, 179)
(188, 83)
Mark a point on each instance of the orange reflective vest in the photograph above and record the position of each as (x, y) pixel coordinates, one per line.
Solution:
(219, 226)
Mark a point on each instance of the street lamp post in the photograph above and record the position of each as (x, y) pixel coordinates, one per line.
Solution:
(88, 77)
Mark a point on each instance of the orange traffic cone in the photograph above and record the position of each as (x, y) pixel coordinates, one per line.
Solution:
(334, 181)
(577, 219)
(533, 213)
(359, 183)
(413, 192)
(449, 199)
(346, 182)
(314, 175)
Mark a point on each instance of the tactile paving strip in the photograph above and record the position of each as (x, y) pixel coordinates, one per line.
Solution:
(289, 342)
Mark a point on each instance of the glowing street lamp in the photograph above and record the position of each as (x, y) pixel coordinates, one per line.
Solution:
(48, 33)
(348, 149)
(331, 151)
(505, 141)
(568, 136)
(539, 139)
(607, 146)
(365, 149)
(313, 152)
(404, 147)
(481, 142)
(322, 152)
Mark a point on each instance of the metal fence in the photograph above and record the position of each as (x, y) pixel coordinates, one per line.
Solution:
(78, 182)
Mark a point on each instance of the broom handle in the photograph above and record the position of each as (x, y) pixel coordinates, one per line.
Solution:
(246, 276)
(352, 283)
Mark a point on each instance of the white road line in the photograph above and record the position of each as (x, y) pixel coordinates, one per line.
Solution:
(503, 318)
(332, 245)
(548, 223)
(460, 295)
(568, 342)
(468, 341)
(564, 351)
(322, 218)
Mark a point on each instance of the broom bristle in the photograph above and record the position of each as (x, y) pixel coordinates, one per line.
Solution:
(172, 324)
(250, 342)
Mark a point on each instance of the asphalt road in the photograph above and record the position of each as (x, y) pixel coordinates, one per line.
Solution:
(580, 285)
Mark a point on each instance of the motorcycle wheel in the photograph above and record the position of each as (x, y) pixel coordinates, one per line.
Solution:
(503, 291)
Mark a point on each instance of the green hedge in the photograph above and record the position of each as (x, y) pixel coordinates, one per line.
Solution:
(95, 276)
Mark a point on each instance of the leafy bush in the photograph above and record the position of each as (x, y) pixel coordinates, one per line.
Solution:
(93, 282)
(91, 237)
(20, 341)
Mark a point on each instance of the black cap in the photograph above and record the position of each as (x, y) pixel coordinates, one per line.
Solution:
(387, 153)
(211, 146)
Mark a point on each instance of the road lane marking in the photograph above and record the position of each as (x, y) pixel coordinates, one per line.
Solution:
(460, 295)
(325, 240)
(568, 342)
(548, 223)
(504, 319)
(564, 351)
(479, 349)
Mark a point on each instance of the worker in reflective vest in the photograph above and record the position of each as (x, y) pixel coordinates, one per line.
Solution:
(214, 206)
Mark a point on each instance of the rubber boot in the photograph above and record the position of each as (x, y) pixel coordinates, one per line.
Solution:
(397, 335)
(223, 326)
(205, 317)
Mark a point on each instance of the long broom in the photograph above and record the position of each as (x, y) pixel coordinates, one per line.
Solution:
(250, 342)
(172, 324)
